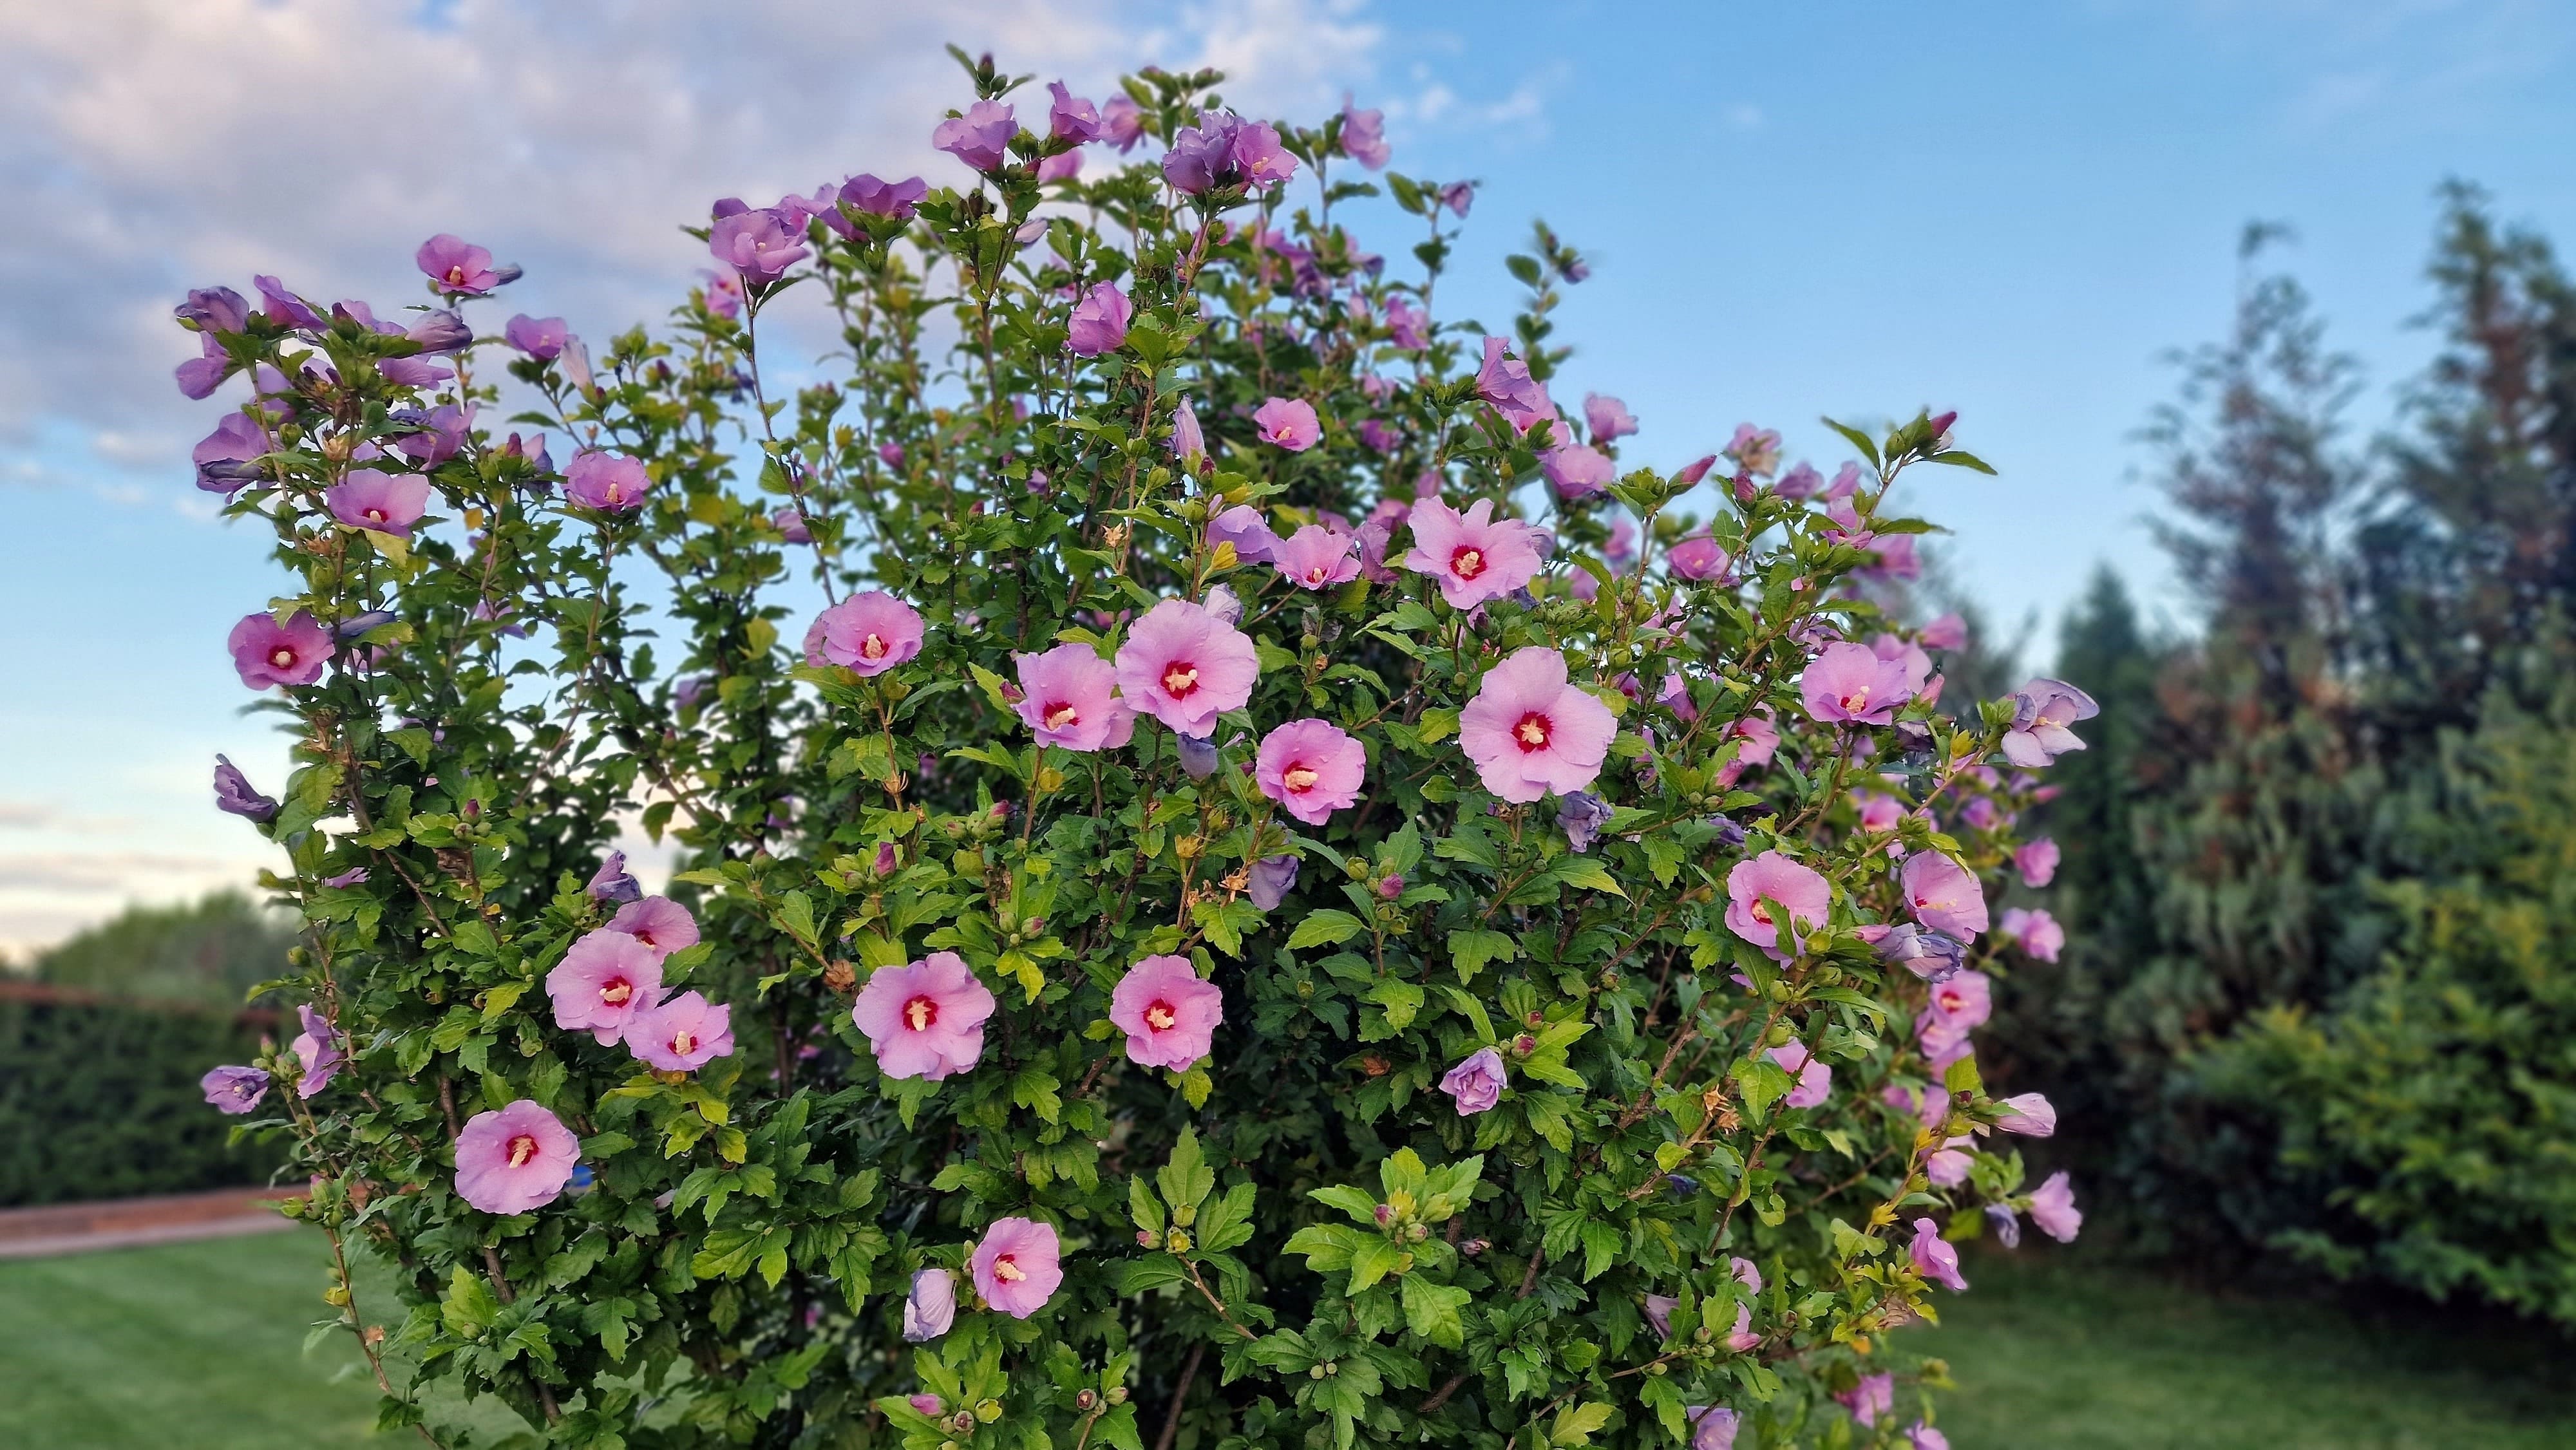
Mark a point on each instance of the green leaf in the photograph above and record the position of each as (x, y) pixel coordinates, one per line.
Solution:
(1957, 459)
(1351, 1199)
(1373, 1260)
(1575, 1423)
(1144, 1207)
(1327, 1246)
(1471, 948)
(1435, 1311)
(1760, 1082)
(1326, 927)
(1857, 439)
(1401, 1000)
(1185, 1179)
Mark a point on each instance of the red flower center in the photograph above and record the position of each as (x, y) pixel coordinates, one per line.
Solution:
(1180, 679)
(682, 1043)
(1299, 777)
(375, 516)
(456, 275)
(1160, 1016)
(1467, 562)
(921, 1012)
(522, 1148)
(1761, 913)
(1060, 714)
(1533, 731)
(873, 647)
(281, 657)
(616, 993)
(1856, 702)
(1007, 1269)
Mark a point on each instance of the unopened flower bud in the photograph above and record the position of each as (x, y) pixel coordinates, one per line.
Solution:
(1524, 1045)
(1314, 1371)
(1086, 1400)
(1385, 1215)
(1390, 886)
(1117, 1394)
(1472, 1247)
(885, 862)
(1144, 1238)
(1418, 1232)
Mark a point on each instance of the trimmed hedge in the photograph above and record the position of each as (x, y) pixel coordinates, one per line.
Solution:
(99, 1099)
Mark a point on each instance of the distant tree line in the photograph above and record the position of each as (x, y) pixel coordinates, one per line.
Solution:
(2320, 861)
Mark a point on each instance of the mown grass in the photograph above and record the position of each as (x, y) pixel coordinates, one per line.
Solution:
(202, 1346)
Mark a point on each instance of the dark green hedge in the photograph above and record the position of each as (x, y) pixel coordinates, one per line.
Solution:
(100, 1100)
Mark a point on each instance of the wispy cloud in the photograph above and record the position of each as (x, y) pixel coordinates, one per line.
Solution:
(147, 147)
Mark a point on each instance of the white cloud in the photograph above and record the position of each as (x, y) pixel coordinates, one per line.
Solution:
(147, 146)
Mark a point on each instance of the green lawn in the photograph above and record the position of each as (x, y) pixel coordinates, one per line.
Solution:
(2049, 1350)
(200, 1346)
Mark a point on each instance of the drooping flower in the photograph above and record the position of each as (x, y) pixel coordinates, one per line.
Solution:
(1934, 1257)
(1814, 1081)
(1311, 767)
(1017, 1266)
(223, 457)
(1475, 556)
(317, 1047)
(604, 982)
(1245, 528)
(758, 243)
(1962, 1001)
(2042, 712)
(1943, 894)
(1581, 815)
(1949, 1165)
(1849, 683)
(1927, 954)
(1288, 423)
(2006, 1224)
(1505, 383)
(1659, 1313)
(1755, 450)
(1949, 632)
(1407, 326)
(436, 436)
(380, 502)
(1476, 1083)
(1803, 893)
(1269, 880)
(1530, 731)
(2052, 1207)
(1874, 1396)
(514, 1159)
(456, 265)
(234, 1090)
(1364, 136)
(1169, 1015)
(1607, 417)
(1712, 1427)
(199, 376)
(981, 138)
(930, 1310)
(1696, 557)
(266, 653)
(1122, 123)
(2031, 1115)
(895, 200)
(1069, 698)
(664, 926)
(541, 338)
(609, 482)
(683, 1034)
(611, 883)
(2036, 861)
(1184, 667)
(871, 632)
(1920, 1436)
(1099, 322)
(1316, 557)
(2037, 931)
(925, 1020)
(1071, 117)
(234, 795)
(1577, 471)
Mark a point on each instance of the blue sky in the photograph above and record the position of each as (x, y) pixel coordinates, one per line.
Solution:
(2011, 209)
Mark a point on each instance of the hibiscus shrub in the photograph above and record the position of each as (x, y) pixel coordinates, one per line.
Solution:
(1223, 934)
